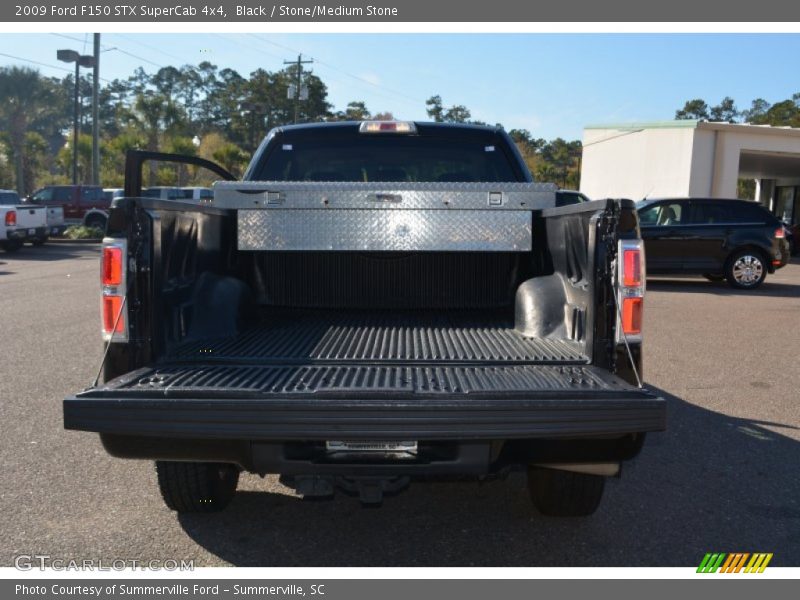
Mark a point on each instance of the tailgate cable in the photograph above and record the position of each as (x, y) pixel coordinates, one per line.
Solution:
(627, 346)
(108, 344)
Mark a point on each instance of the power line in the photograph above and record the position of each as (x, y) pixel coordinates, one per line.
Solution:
(132, 55)
(260, 49)
(117, 48)
(243, 45)
(148, 46)
(41, 64)
(380, 91)
(74, 39)
(335, 68)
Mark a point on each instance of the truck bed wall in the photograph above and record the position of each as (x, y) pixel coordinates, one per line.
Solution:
(202, 286)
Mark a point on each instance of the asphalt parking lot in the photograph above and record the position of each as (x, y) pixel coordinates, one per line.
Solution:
(724, 477)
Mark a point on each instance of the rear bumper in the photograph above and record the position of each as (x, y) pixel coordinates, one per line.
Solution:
(332, 419)
(28, 234)
(781, 255)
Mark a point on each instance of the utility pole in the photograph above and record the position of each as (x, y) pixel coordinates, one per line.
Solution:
(96, 112)
(76, 127)
(298, 85)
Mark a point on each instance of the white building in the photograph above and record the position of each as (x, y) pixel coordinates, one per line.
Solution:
(693, 158)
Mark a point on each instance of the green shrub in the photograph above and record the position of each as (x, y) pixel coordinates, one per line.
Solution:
(82, 232)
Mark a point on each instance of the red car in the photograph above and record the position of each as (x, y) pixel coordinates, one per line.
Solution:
(83, 204)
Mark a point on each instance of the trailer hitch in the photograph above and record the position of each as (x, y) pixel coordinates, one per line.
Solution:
(369, 489)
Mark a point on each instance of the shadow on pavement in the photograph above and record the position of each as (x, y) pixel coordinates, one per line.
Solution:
(702, 286)
(710, 483)
(49, 252)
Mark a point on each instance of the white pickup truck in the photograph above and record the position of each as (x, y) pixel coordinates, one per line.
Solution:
(32, 223)
(10, 237)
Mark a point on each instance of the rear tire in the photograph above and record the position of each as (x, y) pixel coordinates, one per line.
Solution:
(196, 487)
(746, 269)
(558, 493)
(11, 245)
(714, 277)
(96, 221)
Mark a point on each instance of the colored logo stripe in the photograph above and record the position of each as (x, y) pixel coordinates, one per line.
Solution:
(711, 563)
(734, 563)
(758, 563)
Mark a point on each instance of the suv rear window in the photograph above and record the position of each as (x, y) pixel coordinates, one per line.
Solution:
(734, 212)
(751, 213)
(711, 213)
(371, 158)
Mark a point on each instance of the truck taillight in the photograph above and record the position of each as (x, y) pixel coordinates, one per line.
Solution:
(112, 265)
(112, 305)
(631, 267)
(11, 218)
(632, 316)
(780, 233)
(631, 286)
(113, 277)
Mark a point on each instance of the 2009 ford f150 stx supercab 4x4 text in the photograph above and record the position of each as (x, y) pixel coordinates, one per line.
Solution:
(373, 303)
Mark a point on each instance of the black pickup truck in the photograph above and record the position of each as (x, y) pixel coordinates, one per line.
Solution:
(375, 302)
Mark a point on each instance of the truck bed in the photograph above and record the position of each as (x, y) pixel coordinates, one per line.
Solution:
(314, 354)
(403, 354)
(397, 338)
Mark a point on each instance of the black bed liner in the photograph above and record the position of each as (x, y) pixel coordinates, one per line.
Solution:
(317, 376)
(366, 402)
(366, 381)
(372, 355)
(305, 337)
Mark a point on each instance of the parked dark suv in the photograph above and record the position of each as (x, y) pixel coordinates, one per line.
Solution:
(736, 240)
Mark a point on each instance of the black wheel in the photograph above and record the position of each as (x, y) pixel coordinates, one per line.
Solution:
(563, 493)
(11, 245)
(40, 241)
(196, 487)
(714, 277)
(96, 221)
(746, 269)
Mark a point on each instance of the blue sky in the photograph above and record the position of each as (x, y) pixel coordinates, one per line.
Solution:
(552, 85)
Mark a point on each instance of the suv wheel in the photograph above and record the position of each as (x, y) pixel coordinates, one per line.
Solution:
(746, 270)
(189, 487)
(558, 493)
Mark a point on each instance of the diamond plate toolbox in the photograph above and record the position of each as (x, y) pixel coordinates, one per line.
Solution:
(271, 195)
(382, 230)
(393, 216)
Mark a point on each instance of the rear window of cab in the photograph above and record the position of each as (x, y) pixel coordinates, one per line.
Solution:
(373, 158)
